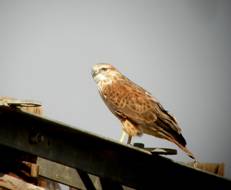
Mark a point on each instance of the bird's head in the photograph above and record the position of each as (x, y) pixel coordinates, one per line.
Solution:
(104, 72)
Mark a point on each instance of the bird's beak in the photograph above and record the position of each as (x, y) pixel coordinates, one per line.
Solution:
(93, 73)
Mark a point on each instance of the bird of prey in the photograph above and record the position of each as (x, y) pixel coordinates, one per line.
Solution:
(138, 111)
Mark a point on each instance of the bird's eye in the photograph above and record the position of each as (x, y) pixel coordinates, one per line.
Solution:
(103, 69)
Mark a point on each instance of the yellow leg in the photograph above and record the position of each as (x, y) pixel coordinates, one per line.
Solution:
(122, 136)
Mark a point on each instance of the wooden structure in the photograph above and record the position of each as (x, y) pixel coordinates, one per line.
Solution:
(20, 169)
(85, 161)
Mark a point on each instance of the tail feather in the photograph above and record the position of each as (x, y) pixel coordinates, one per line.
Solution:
(167, 132)
(183, 147)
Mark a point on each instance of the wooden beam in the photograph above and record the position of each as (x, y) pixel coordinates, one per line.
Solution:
(99, 156)
(63, 174)
(10, 182)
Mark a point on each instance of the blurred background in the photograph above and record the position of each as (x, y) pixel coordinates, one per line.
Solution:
(180, 51)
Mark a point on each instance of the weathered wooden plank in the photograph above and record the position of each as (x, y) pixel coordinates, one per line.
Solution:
(216, 168)
(60, 173)
(96, 155)
(13, 183)
(70, 176)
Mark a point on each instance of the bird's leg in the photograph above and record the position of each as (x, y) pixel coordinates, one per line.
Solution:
(195, 163)
(122, 136)
(130, 129)
(129, 139)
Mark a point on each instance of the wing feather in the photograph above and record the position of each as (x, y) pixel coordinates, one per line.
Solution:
(129, 101)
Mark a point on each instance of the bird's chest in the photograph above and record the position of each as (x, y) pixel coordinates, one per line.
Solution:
(107, 90)
(113, 96)
(113, 92)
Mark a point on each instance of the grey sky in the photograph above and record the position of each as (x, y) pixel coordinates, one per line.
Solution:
(180, 51)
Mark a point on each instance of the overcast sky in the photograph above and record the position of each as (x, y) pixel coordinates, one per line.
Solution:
(180, 51)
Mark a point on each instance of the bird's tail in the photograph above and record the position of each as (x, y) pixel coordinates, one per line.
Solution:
(168, 132)
(174, 137)
(182, 147)
(179, 140)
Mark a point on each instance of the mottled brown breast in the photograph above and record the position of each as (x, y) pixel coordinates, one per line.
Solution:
(127, 100)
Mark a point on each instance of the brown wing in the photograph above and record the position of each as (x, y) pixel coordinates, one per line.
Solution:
(126, 99)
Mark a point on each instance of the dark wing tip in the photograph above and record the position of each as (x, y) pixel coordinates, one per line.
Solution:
(181, 139)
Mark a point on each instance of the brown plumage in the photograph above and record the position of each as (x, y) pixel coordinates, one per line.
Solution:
(138, 111)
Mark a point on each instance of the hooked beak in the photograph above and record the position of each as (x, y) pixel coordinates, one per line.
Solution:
(93, 73)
